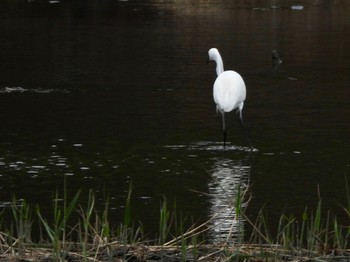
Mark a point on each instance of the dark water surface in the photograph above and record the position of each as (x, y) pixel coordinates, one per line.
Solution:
(106, 93)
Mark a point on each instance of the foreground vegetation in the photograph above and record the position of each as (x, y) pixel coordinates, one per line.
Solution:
(94, 238)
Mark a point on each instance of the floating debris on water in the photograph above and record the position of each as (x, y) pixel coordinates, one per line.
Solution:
(268, 154)
(175, 146)
(19, 89)
(212, 146)
(297, 7)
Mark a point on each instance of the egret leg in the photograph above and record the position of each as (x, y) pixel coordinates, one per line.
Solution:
(224, 138)
(244, 132)
(224, 127)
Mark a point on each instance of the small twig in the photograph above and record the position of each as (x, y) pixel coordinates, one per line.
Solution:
(211, 254)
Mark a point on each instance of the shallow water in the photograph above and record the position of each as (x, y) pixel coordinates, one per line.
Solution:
(108, 93)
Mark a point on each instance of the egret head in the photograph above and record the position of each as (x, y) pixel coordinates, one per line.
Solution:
(214, 55)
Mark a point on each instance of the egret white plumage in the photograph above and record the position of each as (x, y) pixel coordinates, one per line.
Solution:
(229, 91)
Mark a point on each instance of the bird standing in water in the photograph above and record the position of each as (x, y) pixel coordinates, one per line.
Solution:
(229, 91)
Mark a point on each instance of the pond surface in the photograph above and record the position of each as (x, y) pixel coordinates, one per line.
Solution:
(108, 93)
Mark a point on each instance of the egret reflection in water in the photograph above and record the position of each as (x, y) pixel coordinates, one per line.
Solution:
(230, 178)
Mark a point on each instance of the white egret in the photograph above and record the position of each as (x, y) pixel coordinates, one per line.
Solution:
(229, 91)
